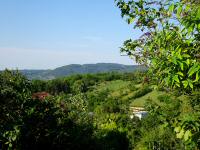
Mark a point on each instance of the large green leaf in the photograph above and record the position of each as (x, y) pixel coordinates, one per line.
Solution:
(185, 83)
(197, 77)
(180, 73)
(193, 69)
(175, 78)
(190, 84)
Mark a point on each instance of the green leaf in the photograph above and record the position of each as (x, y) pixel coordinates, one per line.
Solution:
(181, 65)
(191, 28)
(180, 134)
(130, 20)
(187, 8)
(167, 80)
(185, 83)
(198, 26)
(136, 10)
(186, 56)
(193, 70)
(14, 137)
(187, 135)
(188, 62)
(175, 78)
(190, 84)
(180, 73)
(174, 60)
(10, 145)
(178, 84)
(179, 10)
(125, 6)
(171, 8)
(177, 129)
(197, 77)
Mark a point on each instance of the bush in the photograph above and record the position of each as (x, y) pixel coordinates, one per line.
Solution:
(164, 98)
(112, 140)
(132, 86)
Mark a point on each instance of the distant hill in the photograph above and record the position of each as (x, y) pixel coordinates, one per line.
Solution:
(79, 69)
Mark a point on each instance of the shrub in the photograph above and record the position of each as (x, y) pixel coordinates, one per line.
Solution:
(132, 86)
(164, 98)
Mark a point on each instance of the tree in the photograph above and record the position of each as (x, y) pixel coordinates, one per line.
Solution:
(79, 86)
(57, 86)
(14, 91)
(39, 85)
(170, 47)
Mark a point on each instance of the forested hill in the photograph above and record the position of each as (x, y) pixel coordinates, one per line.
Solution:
(79, 69)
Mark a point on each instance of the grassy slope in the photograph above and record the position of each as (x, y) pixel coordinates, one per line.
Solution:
(113, 86)
(139, 102)
(120, 89)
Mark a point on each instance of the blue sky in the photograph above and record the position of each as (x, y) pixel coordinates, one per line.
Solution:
(41, 34)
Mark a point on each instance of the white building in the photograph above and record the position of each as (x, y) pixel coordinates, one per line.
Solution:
(138, 112)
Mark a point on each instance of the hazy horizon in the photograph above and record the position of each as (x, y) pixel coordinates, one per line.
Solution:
(48, 34)
(133, 64)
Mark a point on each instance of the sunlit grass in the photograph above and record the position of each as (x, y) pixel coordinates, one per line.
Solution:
(113, 85)
(140, 102)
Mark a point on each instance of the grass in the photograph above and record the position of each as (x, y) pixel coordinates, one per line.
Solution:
(113, 85)
(186, 107)
(120, 89)
(139, 102)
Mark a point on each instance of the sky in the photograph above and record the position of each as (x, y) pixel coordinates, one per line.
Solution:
(45, 34)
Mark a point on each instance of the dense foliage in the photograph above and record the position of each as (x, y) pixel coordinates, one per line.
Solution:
(92, 111)
(170, 47)
(97, 117)
(75, 115)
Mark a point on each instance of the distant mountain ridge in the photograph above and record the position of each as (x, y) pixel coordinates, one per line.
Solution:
(79, 69)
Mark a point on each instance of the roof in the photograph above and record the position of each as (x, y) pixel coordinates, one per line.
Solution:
(137, 109)
(40, 95)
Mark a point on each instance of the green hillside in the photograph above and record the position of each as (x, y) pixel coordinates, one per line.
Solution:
(79, 69)
(91, 109)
